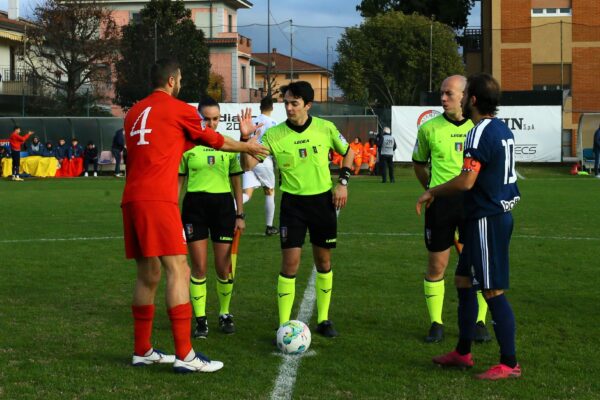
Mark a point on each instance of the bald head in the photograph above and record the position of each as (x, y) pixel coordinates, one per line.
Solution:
(451, 94)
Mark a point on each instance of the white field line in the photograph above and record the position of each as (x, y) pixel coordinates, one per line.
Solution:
(519, 175)
(284, 383)
(384, 234)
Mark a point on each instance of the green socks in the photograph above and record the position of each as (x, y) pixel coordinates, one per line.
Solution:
(323, 285)
(286, 290)
(224, 289)
(434, 297)
(198, 295)
(483, 307)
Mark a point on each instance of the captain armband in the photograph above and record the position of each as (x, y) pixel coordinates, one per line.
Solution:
(471, 164)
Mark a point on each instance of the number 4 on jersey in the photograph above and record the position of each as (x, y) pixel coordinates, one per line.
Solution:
(142, 131)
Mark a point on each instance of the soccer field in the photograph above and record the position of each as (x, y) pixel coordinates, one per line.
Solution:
(65, 294)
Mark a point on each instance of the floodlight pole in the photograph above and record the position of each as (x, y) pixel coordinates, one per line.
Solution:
(291, 51)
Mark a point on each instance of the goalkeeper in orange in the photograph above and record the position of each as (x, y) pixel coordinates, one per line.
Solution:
(357, 148)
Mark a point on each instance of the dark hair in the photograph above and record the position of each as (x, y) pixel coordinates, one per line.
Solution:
(207, 102)
(74, 140)
(16, 127)
(162, 70)
(300, 89)
(266, 104)
(486, 90)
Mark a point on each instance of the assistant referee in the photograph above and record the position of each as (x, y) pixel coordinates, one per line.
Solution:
(301, 146)
(440, 143)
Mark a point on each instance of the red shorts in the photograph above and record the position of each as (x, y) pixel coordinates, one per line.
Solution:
(152, 229)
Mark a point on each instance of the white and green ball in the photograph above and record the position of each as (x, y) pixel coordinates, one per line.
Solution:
(293, 337)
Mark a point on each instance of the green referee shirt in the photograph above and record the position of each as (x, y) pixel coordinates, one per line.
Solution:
(302, 154)
(441, 142)
(209, 170)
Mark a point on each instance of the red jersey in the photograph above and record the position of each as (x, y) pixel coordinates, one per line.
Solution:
(156, 131)
(17, 140)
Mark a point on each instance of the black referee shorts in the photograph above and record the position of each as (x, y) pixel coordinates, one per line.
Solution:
(442, 219)
(203, 212)
(315, 213)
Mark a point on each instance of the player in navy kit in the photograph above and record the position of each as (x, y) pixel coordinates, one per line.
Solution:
(489, 180)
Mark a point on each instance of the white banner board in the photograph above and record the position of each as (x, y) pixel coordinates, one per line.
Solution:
(537, 130)
(229, 124)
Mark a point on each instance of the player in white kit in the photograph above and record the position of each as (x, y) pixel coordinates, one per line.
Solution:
(263, 174)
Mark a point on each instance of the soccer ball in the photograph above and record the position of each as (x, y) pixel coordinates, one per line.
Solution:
(293, 337)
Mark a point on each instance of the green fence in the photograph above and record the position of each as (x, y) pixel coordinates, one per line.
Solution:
(100, 130)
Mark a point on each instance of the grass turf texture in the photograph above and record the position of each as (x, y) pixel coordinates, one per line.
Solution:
(66, 329)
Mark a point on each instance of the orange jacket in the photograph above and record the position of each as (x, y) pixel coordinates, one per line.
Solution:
(357, 148)
(17, 140)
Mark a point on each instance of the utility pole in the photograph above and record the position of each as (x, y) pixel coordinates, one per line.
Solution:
(327, 93)
(431, 52)
(291, 51)
(269, 48)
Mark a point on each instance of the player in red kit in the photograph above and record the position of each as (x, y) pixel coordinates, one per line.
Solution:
(157, 130)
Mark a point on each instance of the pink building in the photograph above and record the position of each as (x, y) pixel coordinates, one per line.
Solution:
(230, 52)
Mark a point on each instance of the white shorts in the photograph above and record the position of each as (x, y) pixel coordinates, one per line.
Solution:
(262, 175)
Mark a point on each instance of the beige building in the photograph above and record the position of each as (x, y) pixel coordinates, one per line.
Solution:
(542, 45)
(230, 52)
(284, 69)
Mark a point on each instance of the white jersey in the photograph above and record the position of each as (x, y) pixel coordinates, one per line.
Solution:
(262, 174)
(267, 122)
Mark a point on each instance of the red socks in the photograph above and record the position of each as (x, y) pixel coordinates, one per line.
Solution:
(142, 328)
(181, 325)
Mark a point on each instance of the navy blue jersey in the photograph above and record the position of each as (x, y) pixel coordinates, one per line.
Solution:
(495, 191)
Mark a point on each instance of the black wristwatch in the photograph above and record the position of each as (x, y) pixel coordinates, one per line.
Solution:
(241, 216)
(343, 181)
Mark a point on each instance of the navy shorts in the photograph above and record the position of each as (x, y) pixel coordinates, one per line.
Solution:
(315, 213)
(203, 212)
(485, 253)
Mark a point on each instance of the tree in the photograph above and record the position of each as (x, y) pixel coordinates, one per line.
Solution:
(177, 37)
(449, 12)
(385, 60)
(216, 86)
(70, 45)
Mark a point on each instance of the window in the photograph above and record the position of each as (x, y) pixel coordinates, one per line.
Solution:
(549, 76)
(230, 22)
(136, 18)
(244, 83)
(551, 12)
(289, 76)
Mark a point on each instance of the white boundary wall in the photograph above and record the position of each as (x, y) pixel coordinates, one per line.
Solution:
(537, 130)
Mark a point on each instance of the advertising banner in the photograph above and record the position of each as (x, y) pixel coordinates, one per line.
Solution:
(537, 130)
(229, 124)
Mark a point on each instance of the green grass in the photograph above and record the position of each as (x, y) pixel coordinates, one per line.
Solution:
(66, 329)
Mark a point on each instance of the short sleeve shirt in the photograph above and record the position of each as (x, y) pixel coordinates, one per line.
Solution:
(208, 170)
(441, 142)
(303, 158)
(495, 191)
(157, 130)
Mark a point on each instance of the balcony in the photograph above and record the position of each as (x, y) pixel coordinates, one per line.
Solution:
(18, 81)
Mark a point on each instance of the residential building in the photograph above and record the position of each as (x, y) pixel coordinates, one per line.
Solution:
(284, 69)
(542, 45)
(230, 52)
(15, 79)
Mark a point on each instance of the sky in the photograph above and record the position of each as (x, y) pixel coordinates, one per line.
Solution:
(314, 21)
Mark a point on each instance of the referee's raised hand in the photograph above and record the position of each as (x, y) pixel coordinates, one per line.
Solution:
(247, 127)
